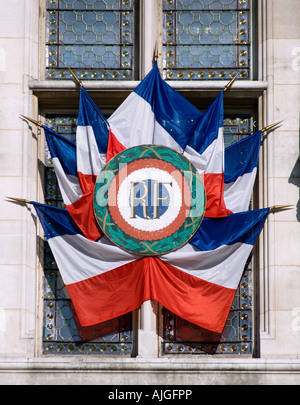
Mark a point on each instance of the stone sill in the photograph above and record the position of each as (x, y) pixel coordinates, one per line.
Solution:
(142, 371)
(97, 85)
(57, 94)
(187, 364)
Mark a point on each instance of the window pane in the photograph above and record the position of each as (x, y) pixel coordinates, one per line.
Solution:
(206, 39)
(93, 38)
(183, 337)
(237, 127)
(63, 333)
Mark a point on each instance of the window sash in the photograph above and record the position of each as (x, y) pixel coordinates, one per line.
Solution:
(62, 331)
(98, 41)
(208, 41)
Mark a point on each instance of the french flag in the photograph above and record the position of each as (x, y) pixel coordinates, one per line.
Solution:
(241, 160)
(91, 145)
(197, 282)
(77, 165)
(205, 150)
(154, 113)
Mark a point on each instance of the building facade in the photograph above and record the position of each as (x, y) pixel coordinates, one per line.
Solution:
(201, 46)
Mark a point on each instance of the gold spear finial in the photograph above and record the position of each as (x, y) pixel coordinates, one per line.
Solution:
(20, 200)
(156, 51)
(269, 127)
(75, 77)
(31, 120)
(228, 85)
(277, 208)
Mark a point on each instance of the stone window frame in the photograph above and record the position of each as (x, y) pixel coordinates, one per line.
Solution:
(49, 92)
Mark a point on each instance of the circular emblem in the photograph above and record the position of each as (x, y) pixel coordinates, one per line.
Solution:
(149, 200)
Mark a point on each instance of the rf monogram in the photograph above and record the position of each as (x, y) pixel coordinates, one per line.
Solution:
(143, 199)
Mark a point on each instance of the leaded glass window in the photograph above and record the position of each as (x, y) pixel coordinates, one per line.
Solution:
(96, 39)
(62, 332)
(206, 39)
(183, 337)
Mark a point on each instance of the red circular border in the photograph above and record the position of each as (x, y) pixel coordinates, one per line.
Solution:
(141, 164)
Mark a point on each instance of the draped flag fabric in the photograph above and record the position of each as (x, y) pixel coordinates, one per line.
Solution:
(78, 165)
(91, 144)
(154, 113)
(205, 150)
(241, 160)
(197, 282)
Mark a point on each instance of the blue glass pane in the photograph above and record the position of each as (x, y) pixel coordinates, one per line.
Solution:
(206, 39)
(93, 38)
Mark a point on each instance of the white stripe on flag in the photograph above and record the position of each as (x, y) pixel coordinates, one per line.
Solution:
(212, 159)
(134, 123)
(237, 195)
(222, 266)
(68, 184)
(79, 258)
(87, 153)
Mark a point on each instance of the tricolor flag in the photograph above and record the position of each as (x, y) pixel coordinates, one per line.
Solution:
(63, 157)
(205, 150)
(91, 145)
(154, 113)
(198, 282)
(241, 160)
(78, 165)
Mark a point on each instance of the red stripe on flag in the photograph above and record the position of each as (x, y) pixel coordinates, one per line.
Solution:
(125, 288)
(87, 182)
(214, 187)
(111, 294)
(113, 147)
(82, 210)
(198, 301)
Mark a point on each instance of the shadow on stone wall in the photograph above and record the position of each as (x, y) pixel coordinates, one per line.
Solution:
(295, 180)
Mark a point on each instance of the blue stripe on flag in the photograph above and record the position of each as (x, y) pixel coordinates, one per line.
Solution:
(172, 111)
(242, 157)
(241, 227)
(55, 221)
(208, 126)
(63, 149)
(89, 114)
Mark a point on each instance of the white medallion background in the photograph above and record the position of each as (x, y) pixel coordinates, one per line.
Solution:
(175, 202)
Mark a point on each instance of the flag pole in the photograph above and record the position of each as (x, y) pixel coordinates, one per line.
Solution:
(228, 85)
(269, 127)
(20, 200)
(31, 120)
(277, 208)
(156, 52)
(75, 77)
